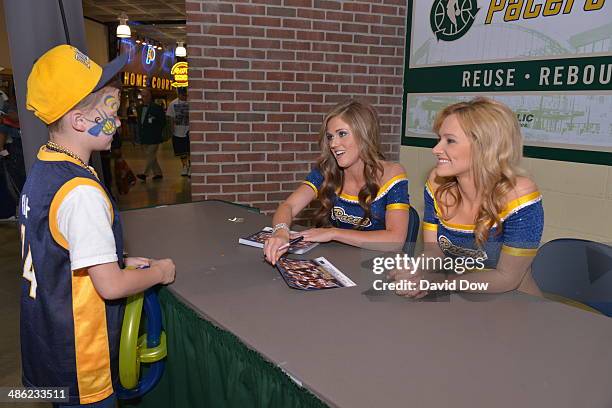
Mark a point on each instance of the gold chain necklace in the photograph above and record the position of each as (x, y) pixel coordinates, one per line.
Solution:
(61, 149)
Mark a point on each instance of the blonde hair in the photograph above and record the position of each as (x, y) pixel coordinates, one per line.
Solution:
(363, 121)
(496, 151)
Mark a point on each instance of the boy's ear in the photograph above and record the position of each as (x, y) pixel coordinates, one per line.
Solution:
(77, 121)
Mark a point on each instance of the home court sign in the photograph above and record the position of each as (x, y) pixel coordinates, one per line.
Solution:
(144, 81)
(147, 66)
(179, 73)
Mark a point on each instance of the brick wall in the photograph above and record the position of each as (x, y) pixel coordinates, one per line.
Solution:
(262, 75)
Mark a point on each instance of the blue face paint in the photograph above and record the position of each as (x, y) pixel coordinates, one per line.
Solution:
(103, 123)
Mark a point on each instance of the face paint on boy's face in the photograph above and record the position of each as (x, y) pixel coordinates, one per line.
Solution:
(102, 124)
(106, 122)
(111, 102)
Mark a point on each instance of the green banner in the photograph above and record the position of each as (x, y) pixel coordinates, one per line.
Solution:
(568, 74)
(549, 61)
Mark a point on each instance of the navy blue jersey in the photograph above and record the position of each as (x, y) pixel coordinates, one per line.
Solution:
(69, 334)
(347, 213)
(522, 225)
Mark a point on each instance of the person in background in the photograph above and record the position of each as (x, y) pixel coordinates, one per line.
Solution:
(10, 130)
(364, 199)
(12, 166)
(132, 122)
(75, 276)
(151, 122)
(178, 116)
(479, 203)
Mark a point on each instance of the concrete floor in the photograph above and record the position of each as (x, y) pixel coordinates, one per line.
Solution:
(170, 190)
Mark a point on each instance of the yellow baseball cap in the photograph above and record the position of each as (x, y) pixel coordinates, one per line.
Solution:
(64, 76)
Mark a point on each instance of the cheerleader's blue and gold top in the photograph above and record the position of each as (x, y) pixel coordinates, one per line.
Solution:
(522, 221)
(346, 212)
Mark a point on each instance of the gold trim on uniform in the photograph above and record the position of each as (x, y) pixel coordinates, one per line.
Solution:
(458, 227)
(92, 354)
(429, 226)
(519, 251)
(521, 202)
(512, 207)
(309, 184)
(398, 206)
(384, 189)
(389, 185)
(58, 199)
(45, 154)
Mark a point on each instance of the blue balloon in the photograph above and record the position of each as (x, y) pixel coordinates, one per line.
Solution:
(154, 338)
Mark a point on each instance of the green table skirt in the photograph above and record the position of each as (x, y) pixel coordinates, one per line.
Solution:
(209, 367)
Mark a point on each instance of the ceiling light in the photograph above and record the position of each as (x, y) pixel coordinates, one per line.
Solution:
(180, 50)
(123, 30)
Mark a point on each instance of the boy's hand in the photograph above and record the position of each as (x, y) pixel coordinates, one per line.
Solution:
(137, 262)
(167, 268)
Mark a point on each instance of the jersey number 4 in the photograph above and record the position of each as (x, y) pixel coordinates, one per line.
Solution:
(28, 266)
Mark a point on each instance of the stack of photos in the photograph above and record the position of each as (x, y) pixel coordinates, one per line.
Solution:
(312, 274)
(259, 238)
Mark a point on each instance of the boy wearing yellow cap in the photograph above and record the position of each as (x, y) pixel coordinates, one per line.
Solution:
(72, 247)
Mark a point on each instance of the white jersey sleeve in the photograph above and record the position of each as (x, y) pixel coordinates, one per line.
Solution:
(84, 218)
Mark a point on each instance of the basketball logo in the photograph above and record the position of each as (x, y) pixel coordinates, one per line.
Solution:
(451, 19)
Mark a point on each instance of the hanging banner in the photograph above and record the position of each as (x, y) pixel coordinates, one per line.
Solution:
(549, 60)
